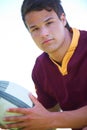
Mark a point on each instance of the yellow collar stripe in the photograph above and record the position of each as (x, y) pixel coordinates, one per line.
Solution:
(70, 52)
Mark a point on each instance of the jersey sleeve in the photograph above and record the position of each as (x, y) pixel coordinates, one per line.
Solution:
(38, 78)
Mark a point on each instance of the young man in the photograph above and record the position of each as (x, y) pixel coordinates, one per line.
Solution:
(59, 73)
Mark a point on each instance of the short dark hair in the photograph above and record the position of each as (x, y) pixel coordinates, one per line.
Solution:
(37, 5)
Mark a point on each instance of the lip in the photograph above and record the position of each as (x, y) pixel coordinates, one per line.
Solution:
(47, 41)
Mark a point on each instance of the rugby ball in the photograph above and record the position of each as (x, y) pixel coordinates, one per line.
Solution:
(12, 95)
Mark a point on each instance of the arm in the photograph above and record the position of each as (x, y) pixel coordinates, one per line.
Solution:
(56, 108)
(39, 118)
(71, 119)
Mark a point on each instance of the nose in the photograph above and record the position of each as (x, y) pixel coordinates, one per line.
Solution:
(44, 32)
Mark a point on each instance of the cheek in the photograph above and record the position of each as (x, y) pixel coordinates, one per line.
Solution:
(36, 40)
(60, 32)
(34, 37)
(59, 37)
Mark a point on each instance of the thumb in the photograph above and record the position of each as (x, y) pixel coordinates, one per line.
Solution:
(33, 99)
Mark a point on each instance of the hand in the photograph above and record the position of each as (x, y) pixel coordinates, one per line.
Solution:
(2, 127)
(85, 128)
(36, 118)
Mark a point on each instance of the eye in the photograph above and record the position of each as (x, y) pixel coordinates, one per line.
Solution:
(50, 22)
(34, 29)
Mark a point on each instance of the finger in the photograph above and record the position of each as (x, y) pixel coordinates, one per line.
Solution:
(20, 111)
(34, 99)
(2, 127)
(19, 125)
(15, 118)
(29, 128)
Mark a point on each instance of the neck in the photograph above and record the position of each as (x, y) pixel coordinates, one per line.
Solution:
(59, 54)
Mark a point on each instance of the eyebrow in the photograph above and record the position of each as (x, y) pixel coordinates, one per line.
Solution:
(33, 26)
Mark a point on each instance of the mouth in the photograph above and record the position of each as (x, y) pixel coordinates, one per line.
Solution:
(47, 41)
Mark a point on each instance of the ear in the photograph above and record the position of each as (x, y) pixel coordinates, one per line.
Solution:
(63, 19)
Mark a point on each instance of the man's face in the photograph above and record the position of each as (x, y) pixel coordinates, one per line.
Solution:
(47, 30)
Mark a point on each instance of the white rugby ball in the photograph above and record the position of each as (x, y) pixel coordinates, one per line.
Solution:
(12, 95)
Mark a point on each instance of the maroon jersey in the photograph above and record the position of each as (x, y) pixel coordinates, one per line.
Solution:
(68, 86)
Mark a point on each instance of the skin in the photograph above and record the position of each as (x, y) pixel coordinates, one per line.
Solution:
(51, 36)
(38, 118)
(49, 32)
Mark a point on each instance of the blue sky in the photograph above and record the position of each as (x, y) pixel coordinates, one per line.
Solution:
(17, 50)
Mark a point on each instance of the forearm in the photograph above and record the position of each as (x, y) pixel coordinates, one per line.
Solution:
(70, 119)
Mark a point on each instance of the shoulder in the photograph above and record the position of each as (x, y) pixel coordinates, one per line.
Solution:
(83, 31)
(83, 34)
(83, 39)
(43, 57)
(41, 68)
(41, 63)
(82, 45)
(42, 60)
